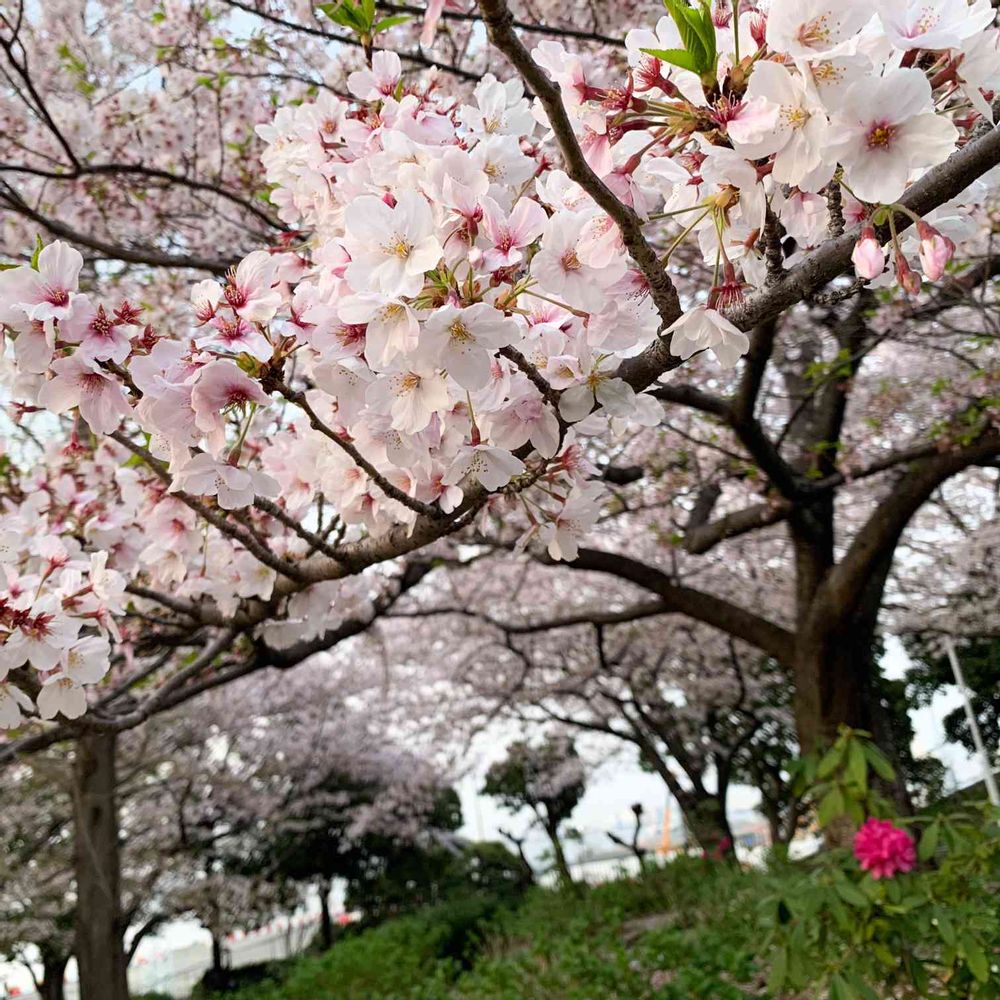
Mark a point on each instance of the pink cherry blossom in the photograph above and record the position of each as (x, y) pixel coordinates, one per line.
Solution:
(391, 248)
(13, 702)
(464, 339)
(702, 329)
(237, 336)
(79, 382)
(101, 337)
(234, 487)
(45, 294)
(380, 81)
(492, 467)
(250, 288)
(220, 387)
(560, 270)
(510, 234)
(884, 127)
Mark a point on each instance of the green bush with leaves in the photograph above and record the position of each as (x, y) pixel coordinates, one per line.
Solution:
(933, 932)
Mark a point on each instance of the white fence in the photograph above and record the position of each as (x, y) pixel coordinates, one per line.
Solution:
(174, 971)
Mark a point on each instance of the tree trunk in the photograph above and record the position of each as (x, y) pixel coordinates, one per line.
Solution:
(52, 986)
(326, 920)
(100, 952)
(218, 969)
(832, 686)
(562, 865)
(835, 665)
(706, 819)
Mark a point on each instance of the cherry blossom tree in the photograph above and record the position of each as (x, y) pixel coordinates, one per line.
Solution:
(263, 480)
(700, 709)
(36, 910)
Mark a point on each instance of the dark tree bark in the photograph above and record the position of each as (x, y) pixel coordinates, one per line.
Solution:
(706, 818)
(100, 929)
(326, 920)
(53, 984)
(218, 968)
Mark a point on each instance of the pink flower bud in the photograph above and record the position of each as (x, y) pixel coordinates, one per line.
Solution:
(908, 279)
(935, 250)
(868, 256)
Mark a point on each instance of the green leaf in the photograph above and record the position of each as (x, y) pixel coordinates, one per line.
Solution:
(8, 267)
(947, 930)
(676, 57)
(832, 759)
(39, 247)
(690, 28)
(840, 989)
(853, 809)
(883, 954)
(344, 13)
(856, 771)
(779, 971)
(701, 21)
(851, 894)
(879, 762)
(831, 806)
(391, 22)
(975, 958)
(929, 841)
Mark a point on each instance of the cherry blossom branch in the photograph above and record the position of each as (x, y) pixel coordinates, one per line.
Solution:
(111, 251)
(413, 57)
(937, 186)
(246, 537)
(818, 268)
(141, 170)
(318, 543)
(649, 609)
(552, 31)
(699, 605)
(21, 68)
(500, 27)
(189, 609)
(391, 491)
(537, 379)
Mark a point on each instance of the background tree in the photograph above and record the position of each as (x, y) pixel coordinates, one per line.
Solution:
(546, 778)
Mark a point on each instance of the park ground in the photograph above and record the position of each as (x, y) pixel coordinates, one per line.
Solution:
(689, 929)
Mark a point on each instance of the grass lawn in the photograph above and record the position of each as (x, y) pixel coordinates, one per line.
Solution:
(686, 930)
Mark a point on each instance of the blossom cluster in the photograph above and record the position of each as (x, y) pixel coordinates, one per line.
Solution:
(451, 314)
(57, 613)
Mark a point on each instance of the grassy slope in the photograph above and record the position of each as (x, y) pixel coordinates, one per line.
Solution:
(676, 933)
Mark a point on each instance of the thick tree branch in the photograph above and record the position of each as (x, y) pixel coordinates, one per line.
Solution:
(845, 584)
(701, 538)
(112, 251)
(707, 608)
